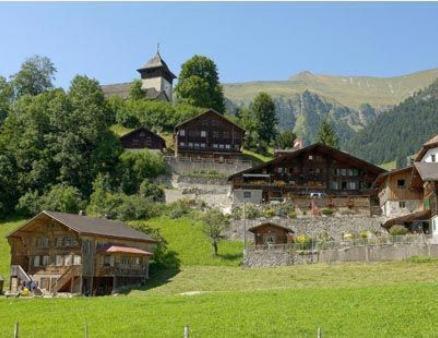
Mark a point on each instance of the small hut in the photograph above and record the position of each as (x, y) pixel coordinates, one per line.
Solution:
(270, 233)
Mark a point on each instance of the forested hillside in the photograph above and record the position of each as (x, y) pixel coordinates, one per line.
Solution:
(399, 132)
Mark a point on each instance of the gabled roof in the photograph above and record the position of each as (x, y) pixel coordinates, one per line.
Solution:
(316, 146)
(254, 228)
(382, 177)
(416, 216)
(427, 171)
(431, 143)
(206, 112)
(85, 225)
(156, 62)
(140, 129)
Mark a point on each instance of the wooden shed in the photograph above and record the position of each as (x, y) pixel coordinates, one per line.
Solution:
(270, 233)
(141, 138)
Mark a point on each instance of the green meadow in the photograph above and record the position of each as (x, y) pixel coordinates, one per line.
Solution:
(218, 298)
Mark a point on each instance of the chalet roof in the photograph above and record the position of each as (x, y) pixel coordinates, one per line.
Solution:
(206, 112)
(254, 228)
(140, 129)
(431, 143)
(317, 146)
(156, 62)
(427, 171)
(416, 216)
(382, 177)
(124, 249)
(85, 225)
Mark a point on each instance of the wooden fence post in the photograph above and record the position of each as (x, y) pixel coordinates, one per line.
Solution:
(16, 330)
(86, 330)
(319, 333)
(186, 331)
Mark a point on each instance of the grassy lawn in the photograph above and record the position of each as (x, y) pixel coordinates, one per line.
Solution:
(5, 229)
(217, 298)
(258, 157)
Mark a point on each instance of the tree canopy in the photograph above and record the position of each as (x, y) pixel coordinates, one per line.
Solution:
(198, 84)
(327, 135)
(263, 108)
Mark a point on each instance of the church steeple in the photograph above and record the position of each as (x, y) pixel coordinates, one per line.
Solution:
(156, 75)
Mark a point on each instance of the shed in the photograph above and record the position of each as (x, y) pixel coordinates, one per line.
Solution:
(270, 233)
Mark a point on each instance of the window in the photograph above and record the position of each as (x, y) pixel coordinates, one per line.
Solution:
(68, 260)
(334, 185)
(142, 134)
(190, 145)
(344, 185)
(44, 260)
(227, 146)
(203, 133)
(310, 157)
(182, 144)
(59, 242)
(125, 260)
(237, 147)
(221, 146)
(226, 134)
(77, 260)
(350, 172)
(202, 145)
(107, 260)
(59, 260)
(42, 242)
(36, 261)
(182, 132)
(433, 158)
(67, 242)
(215, 134)
(197, 145)
(137, 261)
(352, 185)
(401, 184)
(247, 194)
(402, 204)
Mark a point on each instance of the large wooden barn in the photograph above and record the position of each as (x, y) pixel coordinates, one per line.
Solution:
(335, 177)
(209, 135)
(141, 138)
(58, 252)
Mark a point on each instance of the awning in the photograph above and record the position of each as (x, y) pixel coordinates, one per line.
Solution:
(416, 216)
(256, 175)
(124, 249)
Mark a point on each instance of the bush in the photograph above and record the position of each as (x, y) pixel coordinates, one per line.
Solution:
(398, 230)
(151, 191)
(327, 211)
(292, 214)
(365, 234)
(250, 211)
(304, 241)
(420, 259)
(29, 204)
(269, 212)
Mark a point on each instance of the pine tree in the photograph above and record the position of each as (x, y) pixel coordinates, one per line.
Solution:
(327, 135)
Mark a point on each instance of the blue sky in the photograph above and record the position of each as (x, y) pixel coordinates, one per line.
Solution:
(248, 41)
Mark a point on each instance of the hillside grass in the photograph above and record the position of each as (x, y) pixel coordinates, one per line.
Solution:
(185, 237)
(6, 228)
(389, 165)
(258, 157)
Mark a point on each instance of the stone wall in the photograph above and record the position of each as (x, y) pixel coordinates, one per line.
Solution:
(186, 166)
(363, 253)
(335, 227)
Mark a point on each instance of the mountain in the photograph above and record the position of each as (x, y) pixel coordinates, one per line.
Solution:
(399, 132)
(351, 102)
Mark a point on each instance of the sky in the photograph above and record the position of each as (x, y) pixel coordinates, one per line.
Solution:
(247, 41)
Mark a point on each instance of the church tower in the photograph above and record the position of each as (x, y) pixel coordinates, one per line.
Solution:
(157, 78)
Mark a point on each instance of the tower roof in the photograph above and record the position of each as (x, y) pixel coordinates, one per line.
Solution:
(156, 62)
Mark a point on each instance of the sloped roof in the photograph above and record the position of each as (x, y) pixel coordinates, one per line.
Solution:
(93, 226)
(124, 249)
(156, 62)
(254, 228)
(431, 143)
(140, 129)
(206, 112)
(416, 216)
(427, 171)
(324, 148)
(382, 177)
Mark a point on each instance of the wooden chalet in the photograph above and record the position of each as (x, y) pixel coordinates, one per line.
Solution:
(209, 135)
(141, 138)
(313, 171)
(58, 252)
(270, 233)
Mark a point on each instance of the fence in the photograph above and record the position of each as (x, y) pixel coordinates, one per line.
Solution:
(381, 249)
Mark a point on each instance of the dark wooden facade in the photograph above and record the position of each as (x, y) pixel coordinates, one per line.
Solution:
(316, 169)
(141, 138)
(59, 252)
(209, 135)
(270, 233)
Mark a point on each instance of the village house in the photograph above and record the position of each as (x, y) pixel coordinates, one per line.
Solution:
(313, 176)
(270, 233)
(58, 252)
(209, 135)
(156, 79)
(141, 138)
(414, 190)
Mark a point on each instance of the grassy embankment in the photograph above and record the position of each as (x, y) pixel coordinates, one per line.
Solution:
(217, 298)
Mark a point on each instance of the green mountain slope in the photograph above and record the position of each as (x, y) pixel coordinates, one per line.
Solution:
(400, 132)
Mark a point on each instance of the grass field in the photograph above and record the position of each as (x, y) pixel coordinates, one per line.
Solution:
(217, 298)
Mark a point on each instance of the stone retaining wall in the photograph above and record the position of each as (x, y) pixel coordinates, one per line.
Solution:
(363, 253)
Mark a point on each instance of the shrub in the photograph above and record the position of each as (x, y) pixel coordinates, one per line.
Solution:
(236, 213)
(349, 236)
(251, 211)
(29, 204)
(269, 212)
(398, 230)
(365, 234)
(292, 214)
(151, 191)
(327, 211)
(420, 259)
(304, 241)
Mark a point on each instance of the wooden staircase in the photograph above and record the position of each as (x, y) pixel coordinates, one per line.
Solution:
(18, 271)
(65, 278)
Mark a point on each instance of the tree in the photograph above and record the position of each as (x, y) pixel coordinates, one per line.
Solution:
(198, 84)
(35, 76)
(6, 95)
(327, 135)
(263, 108)
(135, 91)
(215, 223)
(285, 139)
